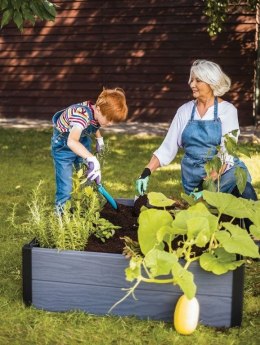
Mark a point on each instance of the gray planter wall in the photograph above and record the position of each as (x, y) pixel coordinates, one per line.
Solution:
(93, 282)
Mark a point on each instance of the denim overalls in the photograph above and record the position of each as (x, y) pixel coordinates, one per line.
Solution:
(65, 159)
(199, 140)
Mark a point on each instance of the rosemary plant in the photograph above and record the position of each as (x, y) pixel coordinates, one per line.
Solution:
(71, 230)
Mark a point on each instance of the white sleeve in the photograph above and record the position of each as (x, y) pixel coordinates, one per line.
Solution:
(229, 118)
(169, 147)
(73, 125)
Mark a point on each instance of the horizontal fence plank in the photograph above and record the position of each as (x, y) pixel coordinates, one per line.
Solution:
(110, 61)
(146, 47)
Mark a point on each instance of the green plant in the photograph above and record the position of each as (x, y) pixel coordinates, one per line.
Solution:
(27, 10)
(217, 12)
(216, 166)
(71, 230)
(201, 234)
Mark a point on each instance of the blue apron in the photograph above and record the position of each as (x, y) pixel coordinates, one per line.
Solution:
(200, 140)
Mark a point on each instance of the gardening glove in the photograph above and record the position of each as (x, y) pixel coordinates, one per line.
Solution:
(196, 195)
(100, 145)
(93, 171)
(142, 182)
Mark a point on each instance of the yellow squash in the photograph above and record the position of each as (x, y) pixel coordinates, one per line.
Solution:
(186, 315)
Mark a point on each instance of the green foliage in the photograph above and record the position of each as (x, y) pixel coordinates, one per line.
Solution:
(219, 261)
(216, 165)
(159, 199)
(217, 12)
(200, 226)
(71, 230)
(149, 222)
(20, 11)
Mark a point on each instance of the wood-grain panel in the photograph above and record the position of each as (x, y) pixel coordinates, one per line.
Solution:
(150, 304)
(105, 269)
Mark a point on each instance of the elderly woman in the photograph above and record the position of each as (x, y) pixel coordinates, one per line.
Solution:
(199, 126)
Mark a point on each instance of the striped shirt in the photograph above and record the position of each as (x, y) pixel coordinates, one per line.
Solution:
(80, 115)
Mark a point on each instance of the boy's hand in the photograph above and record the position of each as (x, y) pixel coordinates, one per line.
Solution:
(93, 171)
(142, 182)
(100, 145)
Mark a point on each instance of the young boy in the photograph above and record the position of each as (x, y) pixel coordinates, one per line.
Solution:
(71, 142)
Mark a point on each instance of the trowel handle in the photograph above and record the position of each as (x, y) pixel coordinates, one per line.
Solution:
(107, 196)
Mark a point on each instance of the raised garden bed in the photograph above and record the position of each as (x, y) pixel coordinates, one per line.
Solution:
(92, 282)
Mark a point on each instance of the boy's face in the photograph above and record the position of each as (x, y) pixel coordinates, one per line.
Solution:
(102, 120)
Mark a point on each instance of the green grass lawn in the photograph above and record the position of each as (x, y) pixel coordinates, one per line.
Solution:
(25, 160)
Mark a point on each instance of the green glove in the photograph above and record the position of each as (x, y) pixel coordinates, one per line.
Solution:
(142, 182)
(196, 195)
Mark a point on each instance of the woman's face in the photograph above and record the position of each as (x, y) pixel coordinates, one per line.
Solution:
(200, 89)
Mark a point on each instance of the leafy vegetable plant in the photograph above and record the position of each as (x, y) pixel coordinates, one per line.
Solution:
(201, 234)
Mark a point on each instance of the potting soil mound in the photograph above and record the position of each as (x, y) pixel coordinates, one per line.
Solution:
(123, 217)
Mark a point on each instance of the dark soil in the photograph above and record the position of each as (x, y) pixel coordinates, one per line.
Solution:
(125, 217)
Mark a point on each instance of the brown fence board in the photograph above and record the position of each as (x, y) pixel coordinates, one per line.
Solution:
(144, 46)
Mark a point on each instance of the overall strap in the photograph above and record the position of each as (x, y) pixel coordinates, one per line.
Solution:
(193, 111)
(216, 109)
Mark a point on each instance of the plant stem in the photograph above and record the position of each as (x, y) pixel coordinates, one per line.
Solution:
(186, 266)
(211, 241)
(158, 281)
(130, 291)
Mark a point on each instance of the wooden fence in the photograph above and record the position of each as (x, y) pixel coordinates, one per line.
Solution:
(143, 46)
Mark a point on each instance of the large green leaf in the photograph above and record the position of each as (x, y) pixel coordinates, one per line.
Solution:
(4, 4)
(210, 185)
(197, 215)
(255, 231)
(196, 225)
(27, 13)
(189, 199)
(228, 204)
(255, 213)
(159, 262)
(184, 279)
(50, 8)
(159, 200)
(16, 4)
(164, 233)
(133, 271)
(213, 165)
(18, 19)
(219, 262)
(237, 240)
(199, 230)
(231, 145)
(7, 15)
(241, 179)
(150, 221)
